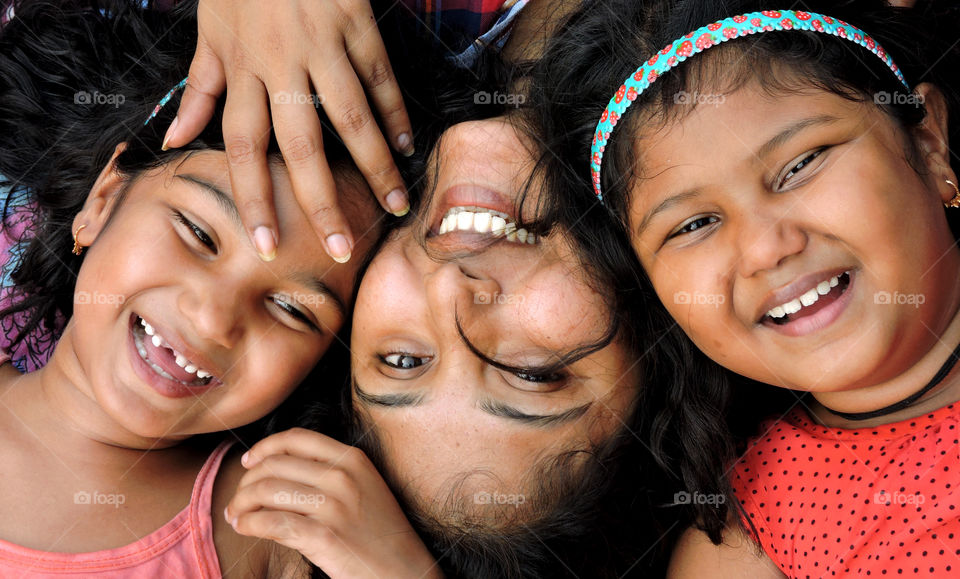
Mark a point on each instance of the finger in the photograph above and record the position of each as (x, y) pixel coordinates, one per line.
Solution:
(369, 57)
(315, 474)
(277, 494)
(291, 530)
(206, 82)
(347, 108)
(302, 443)
(297, 127)
(246, 135)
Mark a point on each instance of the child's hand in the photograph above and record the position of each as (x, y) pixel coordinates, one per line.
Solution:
(325, 499)
(286, 51)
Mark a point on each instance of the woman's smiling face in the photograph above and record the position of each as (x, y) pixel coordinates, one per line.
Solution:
(462, 340)
(793, 238)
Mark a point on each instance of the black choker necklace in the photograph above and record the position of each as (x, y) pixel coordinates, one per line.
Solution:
(897, 406)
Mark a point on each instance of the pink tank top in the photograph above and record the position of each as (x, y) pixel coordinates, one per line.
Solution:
(183, 548)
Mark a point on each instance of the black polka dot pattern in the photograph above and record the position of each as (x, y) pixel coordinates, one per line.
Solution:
(881, 501)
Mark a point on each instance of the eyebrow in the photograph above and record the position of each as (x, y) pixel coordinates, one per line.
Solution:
(492, 407)
(226, 202)
(764, 151)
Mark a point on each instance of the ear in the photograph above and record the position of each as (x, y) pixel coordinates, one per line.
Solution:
(100, 202)
(932, 139)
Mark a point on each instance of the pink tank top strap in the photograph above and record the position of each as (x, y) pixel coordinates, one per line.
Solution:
(201, 504)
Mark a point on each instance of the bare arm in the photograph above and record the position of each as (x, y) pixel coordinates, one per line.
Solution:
(738, 556)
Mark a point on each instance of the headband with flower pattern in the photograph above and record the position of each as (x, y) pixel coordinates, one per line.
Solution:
(712, 35)
(166, 98)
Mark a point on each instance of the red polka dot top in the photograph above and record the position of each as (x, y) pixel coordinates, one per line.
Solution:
(881, 501)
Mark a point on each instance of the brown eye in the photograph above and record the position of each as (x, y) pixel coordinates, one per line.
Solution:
(800, 166)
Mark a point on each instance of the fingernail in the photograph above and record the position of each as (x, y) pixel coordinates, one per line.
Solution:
(405, 144)
(265, 242)
(397, 202)
(170, 131)
(226, 514)
(245, 458)
(338, 248)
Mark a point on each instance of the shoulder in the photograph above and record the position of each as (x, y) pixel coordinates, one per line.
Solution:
(242, 556)
(737, 556)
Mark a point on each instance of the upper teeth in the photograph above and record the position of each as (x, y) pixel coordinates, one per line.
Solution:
(181, 360)
(481, 220)
(807, 299)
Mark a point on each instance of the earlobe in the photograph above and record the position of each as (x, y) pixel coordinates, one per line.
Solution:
(933, 142)
(92, 218)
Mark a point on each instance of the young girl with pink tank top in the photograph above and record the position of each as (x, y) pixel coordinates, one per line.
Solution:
(171, 328)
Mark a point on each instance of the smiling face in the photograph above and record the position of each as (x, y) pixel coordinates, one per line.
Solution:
(179, 328)
(459, 337)
(794, 241)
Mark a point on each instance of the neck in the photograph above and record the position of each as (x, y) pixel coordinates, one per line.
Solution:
(898, 389)
(58, 406)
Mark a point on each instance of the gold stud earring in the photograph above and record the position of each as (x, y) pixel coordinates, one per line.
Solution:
(77, 248)
(955, 202)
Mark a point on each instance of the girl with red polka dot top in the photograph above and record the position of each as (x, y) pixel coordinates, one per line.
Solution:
(793, 199)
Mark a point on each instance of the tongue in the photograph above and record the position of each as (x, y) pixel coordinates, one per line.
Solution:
(164, 358)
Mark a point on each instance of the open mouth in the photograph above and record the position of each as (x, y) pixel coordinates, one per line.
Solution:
(163, 359)
(471, 219)
(809, 303)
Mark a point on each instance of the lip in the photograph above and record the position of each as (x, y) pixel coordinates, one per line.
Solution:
(821, 319)
(797, 288)
(165, 386)
(468, 196)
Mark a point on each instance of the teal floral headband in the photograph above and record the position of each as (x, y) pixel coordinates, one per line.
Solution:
(166, 98)
(712, 35)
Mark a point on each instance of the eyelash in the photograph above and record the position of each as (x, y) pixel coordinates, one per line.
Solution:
(685, 228)
(198, 232)
(801, 165)
(295, 313)
(395, 360)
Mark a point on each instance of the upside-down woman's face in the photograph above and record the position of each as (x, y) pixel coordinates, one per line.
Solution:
(460, 323)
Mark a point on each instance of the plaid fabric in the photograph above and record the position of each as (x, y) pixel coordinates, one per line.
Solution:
(455, 23)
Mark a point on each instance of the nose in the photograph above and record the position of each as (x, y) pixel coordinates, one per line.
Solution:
(766, 238)
(451, 289)
(213, 307)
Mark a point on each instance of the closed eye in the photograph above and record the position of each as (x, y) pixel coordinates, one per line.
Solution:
(197, 231)
(294, 312)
